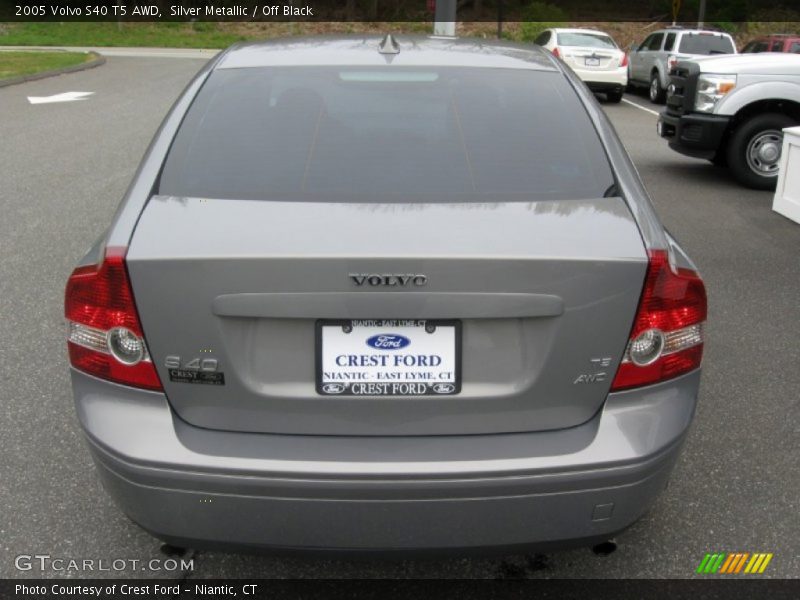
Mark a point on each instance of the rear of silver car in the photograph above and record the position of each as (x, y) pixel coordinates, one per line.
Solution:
(380, 315)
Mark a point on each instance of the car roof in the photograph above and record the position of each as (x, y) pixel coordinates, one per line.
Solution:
(783, 37)
(686, 30)
(363, 51)
(578, 30)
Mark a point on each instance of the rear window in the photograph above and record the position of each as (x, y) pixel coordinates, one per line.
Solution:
(591, 40)
(705, 43)
(387, 134)
(754, 47)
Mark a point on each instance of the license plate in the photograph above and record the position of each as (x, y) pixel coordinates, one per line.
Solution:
(592, 62)
(388, 357)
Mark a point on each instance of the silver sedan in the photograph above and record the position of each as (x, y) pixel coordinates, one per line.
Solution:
(378, 294)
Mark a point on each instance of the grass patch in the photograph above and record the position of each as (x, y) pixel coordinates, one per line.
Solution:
(223, 34)
(173, 35)
(185, 35)
(18, 64)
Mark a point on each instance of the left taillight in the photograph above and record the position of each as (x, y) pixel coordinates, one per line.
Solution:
(672, 61)
(104, 334)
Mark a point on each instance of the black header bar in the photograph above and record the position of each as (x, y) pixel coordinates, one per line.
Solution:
(555, 11)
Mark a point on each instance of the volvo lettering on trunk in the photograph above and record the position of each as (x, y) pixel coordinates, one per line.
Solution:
(389, 279)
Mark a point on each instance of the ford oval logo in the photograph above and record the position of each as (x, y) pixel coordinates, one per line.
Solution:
(388, 341)
(333, 388)
(444, 388)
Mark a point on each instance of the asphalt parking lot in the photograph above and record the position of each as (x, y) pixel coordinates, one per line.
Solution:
(63, 169)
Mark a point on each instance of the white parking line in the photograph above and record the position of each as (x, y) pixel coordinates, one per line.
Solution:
(637, 105)
(65, 97)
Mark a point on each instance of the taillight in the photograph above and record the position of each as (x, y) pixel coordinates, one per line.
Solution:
(104, 335)
(671, 62)
(556, 53)
(624, 61)
(667, 336)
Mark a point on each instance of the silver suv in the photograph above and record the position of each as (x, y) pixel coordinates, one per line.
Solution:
(651, 61)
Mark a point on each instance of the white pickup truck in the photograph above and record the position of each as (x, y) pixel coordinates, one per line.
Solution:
(732, 109)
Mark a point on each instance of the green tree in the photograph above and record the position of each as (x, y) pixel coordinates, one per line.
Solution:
(540, 16)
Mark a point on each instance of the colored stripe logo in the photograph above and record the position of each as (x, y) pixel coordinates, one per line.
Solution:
(734, 563)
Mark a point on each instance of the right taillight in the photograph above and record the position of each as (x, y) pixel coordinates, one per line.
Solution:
(104, 335)
(667, 336)
(671, 62)
(556, 53)
(624, 61)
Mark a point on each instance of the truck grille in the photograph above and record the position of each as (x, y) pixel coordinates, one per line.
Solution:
(681, 89)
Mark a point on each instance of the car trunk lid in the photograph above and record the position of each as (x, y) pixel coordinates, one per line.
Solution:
(544, 294)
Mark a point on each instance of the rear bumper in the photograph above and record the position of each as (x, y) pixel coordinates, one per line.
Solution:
(693, 134)
(604, 81)
(210, 488)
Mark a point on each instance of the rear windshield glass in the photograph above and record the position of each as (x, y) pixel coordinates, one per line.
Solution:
(704, 43)
(592, 40)
(755, 47)
(387, 134)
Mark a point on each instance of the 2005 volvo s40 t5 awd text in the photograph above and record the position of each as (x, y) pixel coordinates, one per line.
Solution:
(370, 294)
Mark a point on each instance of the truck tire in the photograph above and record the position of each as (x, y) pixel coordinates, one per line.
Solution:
(656, 93)
(754, 150)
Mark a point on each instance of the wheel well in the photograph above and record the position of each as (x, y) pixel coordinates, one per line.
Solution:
(786, 107)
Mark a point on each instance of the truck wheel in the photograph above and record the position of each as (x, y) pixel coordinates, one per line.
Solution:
(754, 150)
(614, 96)
(657, 93)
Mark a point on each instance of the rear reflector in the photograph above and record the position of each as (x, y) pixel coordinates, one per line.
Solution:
(671, 62)
(667, 336)
(104, 335)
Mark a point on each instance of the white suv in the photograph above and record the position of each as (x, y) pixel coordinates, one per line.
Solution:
(651, 61)
(593, 55)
